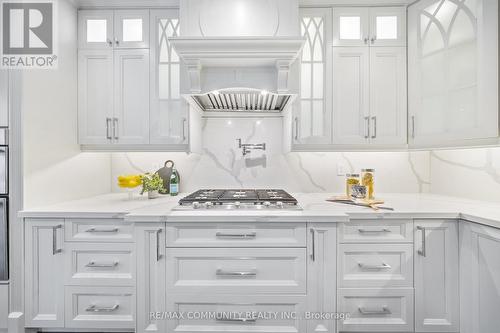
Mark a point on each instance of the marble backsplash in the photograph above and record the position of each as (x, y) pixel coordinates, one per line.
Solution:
(222, 165)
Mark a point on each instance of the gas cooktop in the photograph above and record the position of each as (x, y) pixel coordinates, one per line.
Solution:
(239, 199)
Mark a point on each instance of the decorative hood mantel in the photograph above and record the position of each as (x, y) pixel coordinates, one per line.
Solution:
(238, 43)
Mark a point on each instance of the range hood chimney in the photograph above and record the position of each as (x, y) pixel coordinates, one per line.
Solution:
(239, 53)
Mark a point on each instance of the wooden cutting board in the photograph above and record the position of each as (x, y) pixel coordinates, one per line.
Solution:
(362, 202)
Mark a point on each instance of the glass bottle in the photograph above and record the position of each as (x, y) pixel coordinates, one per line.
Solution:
(174, 183)
(368, 180)
(351, 179)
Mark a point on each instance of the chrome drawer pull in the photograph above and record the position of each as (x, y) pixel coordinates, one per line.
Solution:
(374, 267)
(94, 264)
(94, 308)
(55, 249)
(94, 230)
(221, 272)
(385, 310)
(239, 320)
(238, 236)
(364, 231)
(422, 251)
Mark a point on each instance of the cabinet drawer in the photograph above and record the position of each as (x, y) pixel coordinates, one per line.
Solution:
(375, 265)
(99, 307)
(100, 264)
(237, 270)
(98, 230)
(227, 312)
(236, 235)
(376, 310)
(376, 231)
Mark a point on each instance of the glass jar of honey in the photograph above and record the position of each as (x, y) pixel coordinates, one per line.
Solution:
(351, 179)
(368, 180)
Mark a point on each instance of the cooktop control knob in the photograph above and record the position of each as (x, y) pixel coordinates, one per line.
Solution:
(196, 205)
(208, 204)
(279, 204)
(237, 204)
(267, 204)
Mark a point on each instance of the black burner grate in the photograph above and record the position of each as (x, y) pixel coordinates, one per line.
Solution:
(239, 195)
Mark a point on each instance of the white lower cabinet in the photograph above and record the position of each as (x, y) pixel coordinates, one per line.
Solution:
(236, 313)
(151, 264)
(44, 273)
(480, 278)
(376, 310)
(436, 276)
(99, 307)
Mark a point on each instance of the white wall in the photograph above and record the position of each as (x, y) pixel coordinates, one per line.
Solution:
(222, 165)
(54, 168)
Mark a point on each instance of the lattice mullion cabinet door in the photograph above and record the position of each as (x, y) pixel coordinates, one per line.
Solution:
(312, 122)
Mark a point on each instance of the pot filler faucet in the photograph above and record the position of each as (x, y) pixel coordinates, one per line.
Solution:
(248, 147)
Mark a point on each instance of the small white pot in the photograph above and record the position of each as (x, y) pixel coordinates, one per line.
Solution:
(153, 194)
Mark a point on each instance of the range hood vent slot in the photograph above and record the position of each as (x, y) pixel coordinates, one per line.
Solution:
(242, 100)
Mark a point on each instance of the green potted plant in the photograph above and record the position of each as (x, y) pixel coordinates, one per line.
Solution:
(152, 184)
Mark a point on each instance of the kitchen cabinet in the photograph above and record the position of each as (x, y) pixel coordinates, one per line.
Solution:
(453, 73)
(169, 111)
(369, 96)
(313, 116)
(321, 277)
(374, 26)
(151, 286)
(95, 96)
(44, 273)
(479, 278)
(113, 96)
(108, 29)
(436, 276)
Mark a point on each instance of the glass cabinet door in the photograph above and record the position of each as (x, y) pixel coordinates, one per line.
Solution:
(351, 27)
(388, 26)
(95, 29)
(131, 29)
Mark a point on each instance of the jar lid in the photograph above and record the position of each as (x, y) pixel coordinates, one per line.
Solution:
(352, 175)
(367, 170)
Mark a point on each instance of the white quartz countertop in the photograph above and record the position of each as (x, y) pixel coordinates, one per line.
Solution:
(315, 209)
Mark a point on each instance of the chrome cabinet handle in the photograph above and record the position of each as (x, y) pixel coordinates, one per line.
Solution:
(96, 230)
(184, 120)
(374, 127)
(422, 251)
(296, 120)
(374, 267)
(249, 235)
(108, 125)
(373, 39)
(95, 308)
(55, 249)
(117, 42)
(115, 128)
(313, 244)
(366, 40)
(110, 43)
(221, 272)
(364, 231)
(221, 317)
(385, 310)
(413, 127)
(158, 254)
(367, 128)
(94, 264)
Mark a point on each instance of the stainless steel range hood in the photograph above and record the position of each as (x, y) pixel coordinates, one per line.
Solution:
(254, 47)
(242, 99)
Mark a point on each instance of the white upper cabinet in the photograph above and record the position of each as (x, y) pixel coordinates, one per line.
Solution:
(131, 105)
(351, 26)
(169, 111)
(313, 119)
(95, 29)
(453, 72)
(351, 95)
(131, 29)
(377, 26)
(98, 29)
